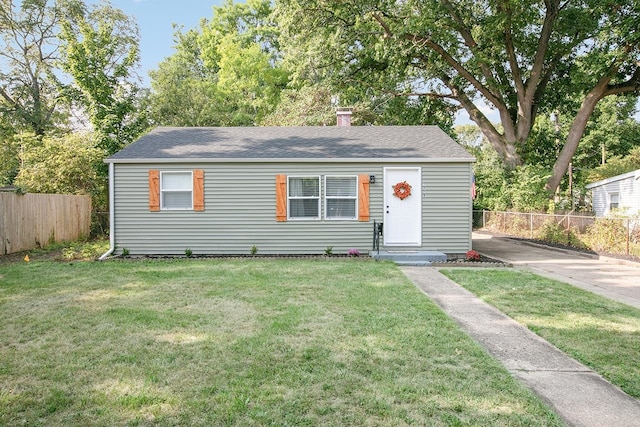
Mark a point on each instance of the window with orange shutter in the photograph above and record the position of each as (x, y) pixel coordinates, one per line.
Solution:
(176, 190)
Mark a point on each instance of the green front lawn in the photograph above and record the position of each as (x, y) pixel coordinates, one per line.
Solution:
(242, 342)
(600, 333)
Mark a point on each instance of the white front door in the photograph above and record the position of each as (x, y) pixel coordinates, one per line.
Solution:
(402, 206)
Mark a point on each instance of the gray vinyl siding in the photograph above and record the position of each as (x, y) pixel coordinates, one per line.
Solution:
(240, 211)
(446, 207)
(628, 190)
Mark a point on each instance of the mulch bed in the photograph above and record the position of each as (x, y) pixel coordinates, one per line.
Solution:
(461, 261)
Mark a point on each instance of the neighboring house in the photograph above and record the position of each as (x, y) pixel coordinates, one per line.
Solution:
(290, 190)
(619, 193)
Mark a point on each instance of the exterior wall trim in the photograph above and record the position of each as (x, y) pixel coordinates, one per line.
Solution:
(287, 161)
(633, 174)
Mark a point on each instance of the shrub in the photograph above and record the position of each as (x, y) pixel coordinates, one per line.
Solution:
(608, 234)
(553, 232)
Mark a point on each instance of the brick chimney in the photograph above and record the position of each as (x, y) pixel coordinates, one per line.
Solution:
(344, 116)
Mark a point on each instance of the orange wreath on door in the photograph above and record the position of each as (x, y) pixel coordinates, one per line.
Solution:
(402, 190)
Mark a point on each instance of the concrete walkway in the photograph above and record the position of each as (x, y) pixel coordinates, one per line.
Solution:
(614, 279)
(577, 394)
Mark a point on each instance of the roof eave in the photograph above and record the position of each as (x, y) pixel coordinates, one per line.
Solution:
(633, 174)
(293, 160)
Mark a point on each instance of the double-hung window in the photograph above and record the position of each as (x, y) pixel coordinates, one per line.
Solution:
(176, 190)
(304, 197)
(614, 201)
(341, 197)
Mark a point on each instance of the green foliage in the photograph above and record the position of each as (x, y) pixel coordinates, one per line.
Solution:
(188, 252)
(100, 51)
(226, 73)
(64, 164)
(551, 231)
(608, 235)
(526, 189)
(253, 250)
(304, 106)
(85, 250)
(491, 179)
(611, 127)
(247, 77)
(328, 251)
(183, 91)
(9, 157)
(498, 188)
(616, 166)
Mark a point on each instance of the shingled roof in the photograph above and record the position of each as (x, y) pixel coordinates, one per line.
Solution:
(312, 143)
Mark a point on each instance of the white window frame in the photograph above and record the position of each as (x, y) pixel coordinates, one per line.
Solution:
(290, 198)
(181, 190)
(354, 198)
(611, 196)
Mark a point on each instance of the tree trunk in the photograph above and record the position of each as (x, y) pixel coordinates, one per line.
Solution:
(573, 137)
(579, 124)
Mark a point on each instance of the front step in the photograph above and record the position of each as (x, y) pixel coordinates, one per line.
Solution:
(416, 257)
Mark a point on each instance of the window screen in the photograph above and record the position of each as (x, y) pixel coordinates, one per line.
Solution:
(176, 190)
(304, 197)
(341, 193)
(614, 201)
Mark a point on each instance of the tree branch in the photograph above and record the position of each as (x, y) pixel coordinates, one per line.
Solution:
(631, 85)
(511, 52)
(472, 44)
(506, 151)
(541, 51)
(421, 41)
(7, 97)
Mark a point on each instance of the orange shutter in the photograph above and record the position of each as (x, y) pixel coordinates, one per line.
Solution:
(281, 198)
(198, 190)
(363, 198)
(154, 190)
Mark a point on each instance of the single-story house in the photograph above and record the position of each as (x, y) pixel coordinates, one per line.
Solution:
(290, 190)
(619, 193)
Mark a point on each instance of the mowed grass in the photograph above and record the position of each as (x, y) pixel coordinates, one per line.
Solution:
(241, 342)
(600, 333)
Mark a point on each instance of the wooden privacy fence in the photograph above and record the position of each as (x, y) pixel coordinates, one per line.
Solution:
(33, 220)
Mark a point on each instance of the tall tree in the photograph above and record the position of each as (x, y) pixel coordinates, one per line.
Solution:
(225, 73)
(519, 58)
(100, 51)
(28, 52)
(183, 91)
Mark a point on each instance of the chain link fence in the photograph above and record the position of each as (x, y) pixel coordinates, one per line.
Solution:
(613, 235)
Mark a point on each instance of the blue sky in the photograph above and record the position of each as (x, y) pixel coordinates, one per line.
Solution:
(155, 19)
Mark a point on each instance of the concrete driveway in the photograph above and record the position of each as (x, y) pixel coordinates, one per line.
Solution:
(617, 280)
